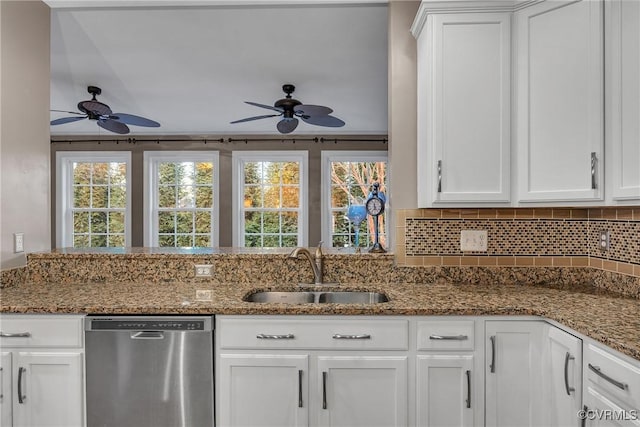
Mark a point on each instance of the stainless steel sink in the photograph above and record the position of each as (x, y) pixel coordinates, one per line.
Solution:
(352, 297)
(306, 297)
(282, 297)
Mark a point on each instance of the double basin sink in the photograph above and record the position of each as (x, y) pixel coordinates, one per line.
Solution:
(321, 297)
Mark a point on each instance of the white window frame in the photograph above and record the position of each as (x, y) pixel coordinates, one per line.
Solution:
(150, 200)
(64, 190)
(329, 156)
(239, 158)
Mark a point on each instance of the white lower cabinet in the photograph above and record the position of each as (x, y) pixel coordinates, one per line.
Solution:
(612, 388)
(444, 390)
(430, 371)
(41, 371)
(362, 391)
(564, 388)
(446, 373)
(305, 370)
(514, 373)
(263, 390)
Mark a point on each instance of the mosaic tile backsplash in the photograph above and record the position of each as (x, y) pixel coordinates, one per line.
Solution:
(506, 237)
(567, 237)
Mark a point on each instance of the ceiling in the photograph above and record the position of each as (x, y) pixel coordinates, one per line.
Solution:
(191, 67)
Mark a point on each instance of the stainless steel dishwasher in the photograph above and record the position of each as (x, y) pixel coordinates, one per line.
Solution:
(149, 371)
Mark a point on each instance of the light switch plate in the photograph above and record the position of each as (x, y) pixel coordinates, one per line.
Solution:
(473, 240)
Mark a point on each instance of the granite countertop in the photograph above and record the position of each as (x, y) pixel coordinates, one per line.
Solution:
(604, 316)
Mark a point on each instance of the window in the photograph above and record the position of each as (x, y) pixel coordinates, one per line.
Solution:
(270, 198)
(93, 199)
(181, 198)
(348, 175)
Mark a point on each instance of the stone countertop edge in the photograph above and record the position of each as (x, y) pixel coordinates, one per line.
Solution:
(606, 317)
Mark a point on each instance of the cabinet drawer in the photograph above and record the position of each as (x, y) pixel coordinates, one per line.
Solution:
(613, 375)
(357, 334)
(446, 335)
(41, 330)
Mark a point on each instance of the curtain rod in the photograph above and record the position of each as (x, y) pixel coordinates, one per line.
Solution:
(216, 140)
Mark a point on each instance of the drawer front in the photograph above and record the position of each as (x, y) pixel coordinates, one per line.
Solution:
(446, 335)
(41, 331)
(357, 334)
(613, 375)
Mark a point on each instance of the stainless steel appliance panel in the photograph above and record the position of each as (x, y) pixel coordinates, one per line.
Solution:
(144, 371)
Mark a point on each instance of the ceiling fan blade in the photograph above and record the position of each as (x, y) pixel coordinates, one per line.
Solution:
(131, 119)
(66, 120)
(95, 107)
(248, 119)
(113, 126)
(69, 112)
(287, 125)
(269, 107)
(312, 110)
(328, 121)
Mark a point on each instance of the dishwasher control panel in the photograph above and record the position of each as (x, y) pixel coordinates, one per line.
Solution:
(151, 324)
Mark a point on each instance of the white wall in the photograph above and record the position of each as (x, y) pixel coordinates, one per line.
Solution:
(24, 128)
(402, 105)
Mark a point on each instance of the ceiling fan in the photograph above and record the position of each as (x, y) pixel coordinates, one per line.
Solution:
(290, 109)
(92, 109)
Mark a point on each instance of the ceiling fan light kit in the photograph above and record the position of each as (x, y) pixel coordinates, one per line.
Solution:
(291, 109)
(93, 109)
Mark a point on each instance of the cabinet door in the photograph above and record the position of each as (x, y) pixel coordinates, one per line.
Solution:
(444, 390)
(51, 386)
(602, 412)
(560, 101)
(6, 393)
(514, 372)
(623, 97)
(564, 397)
(263, 390)
(464, 109)
(365, 391)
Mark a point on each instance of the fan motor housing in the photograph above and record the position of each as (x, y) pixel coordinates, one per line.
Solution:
(287, 104)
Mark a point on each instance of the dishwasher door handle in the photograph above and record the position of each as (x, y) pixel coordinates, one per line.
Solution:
(147, 335)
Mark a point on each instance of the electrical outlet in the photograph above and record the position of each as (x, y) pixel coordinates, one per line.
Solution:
(605, 240)
(204, 295)
(473, 240)
(203, 270)
(18, 242)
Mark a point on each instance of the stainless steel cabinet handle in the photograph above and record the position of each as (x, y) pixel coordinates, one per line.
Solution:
(468, 389)
(300, 388)
(15, 335)
(493, 353)
(324, 390)
(594, 162)
(598, 371)
(1, 382)
(21, 397)
(567, 357)
(449, 337)
(275, 337)
(352, 337)
(439, 176)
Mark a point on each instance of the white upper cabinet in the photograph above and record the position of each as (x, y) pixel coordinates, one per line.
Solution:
(559, 107)
(464, 108)
(622, 26)
(511, 102)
